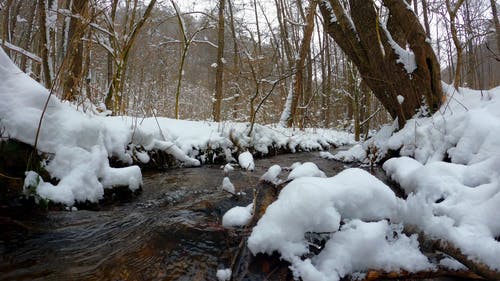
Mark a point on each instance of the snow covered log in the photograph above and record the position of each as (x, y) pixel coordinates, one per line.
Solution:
(265, 194)
(446, 247)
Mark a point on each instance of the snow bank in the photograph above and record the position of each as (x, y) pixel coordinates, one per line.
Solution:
(81, 143)
(311, 204)
(458, 201)
(455, 201)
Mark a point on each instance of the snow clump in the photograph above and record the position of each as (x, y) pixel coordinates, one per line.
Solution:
(237, 216)
(307, 169)
(272, 174)
(227, 185)
(246, 162)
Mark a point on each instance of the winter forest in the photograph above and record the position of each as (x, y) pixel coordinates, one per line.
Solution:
(315, 140)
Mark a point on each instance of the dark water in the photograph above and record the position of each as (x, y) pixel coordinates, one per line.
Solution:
(171, 231)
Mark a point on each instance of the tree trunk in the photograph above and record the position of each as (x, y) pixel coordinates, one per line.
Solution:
(216, 113)
(426, 18)
(497, 24)
(6, 25)
(235, 61)
(372, 50)
(305, 47)
(26, 37)
(73, 76)
(44, 51)
(452, 12)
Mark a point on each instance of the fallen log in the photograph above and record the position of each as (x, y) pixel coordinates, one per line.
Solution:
(374, 275)
(445, 247)
(265, 194)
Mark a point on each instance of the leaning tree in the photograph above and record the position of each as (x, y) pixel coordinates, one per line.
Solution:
(390, 48)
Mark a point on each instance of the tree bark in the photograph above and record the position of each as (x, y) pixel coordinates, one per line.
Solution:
(44, 47)
(452, 12)
(219, 75)
(367, 43)
(6, 25)
(73, 76)
(426, 18)
(305, 47)
(497, 24)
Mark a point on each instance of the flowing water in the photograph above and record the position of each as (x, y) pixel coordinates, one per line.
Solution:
(171, 231)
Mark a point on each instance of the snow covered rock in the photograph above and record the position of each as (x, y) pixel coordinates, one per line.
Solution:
(272, 174)
(307, 169)
(224, 274)
(318, 205)
(237, 216)
(227, 185)
(228, 168)
(246, 162)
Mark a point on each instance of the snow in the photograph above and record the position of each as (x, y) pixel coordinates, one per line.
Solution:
(80, 144)
(227, 185)
(382, 242)
(360, 217)
(452, 264)
(272, 174)
(228, 168)
(224, 274)
(401, 99)
(355, 153)
(307, 169)
(406, 56)
(237, 216)
(246, 162)
(310, 204)
(287, 111)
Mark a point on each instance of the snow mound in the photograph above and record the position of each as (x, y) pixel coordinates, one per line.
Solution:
(228, 168)
(272, 174)
(311, 204)
(237, 216)
(224, 274)
(359, 246)
(227, 185)
(450, 170)
(246, 162)
(355, 154)
(307, 169)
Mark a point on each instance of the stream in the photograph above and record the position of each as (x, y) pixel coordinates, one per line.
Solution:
(171, 231)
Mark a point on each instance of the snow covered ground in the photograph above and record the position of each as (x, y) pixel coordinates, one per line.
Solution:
(80, 144)
(450, 171)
